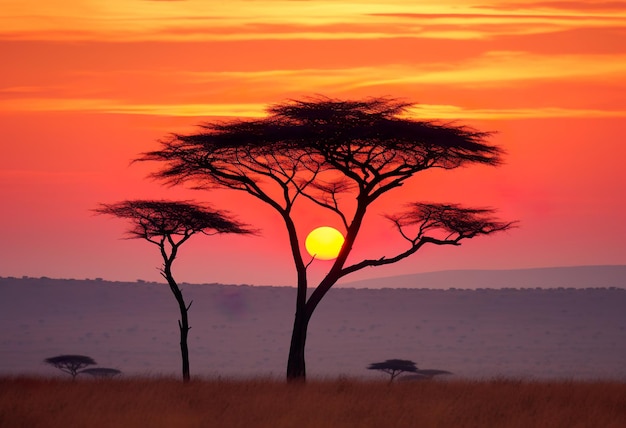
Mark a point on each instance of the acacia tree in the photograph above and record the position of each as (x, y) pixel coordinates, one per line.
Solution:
(341, 155)
(168, 224)
(396, 367)
(102, 372)
(70, 364)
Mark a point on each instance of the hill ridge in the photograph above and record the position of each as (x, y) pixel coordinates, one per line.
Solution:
(583, 276)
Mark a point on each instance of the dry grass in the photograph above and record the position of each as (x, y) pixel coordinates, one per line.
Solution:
(39, 402)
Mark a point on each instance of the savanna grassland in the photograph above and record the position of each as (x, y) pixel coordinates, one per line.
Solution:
(164, 402)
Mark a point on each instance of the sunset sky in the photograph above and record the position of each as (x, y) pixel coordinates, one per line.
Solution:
(88, 85)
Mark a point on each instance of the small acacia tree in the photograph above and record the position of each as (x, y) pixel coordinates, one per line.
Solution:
(168, 224)
(70, 364)
(342, 156)
(394, 368)
(102, 372)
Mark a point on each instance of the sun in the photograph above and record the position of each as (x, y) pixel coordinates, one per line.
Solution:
(324, 243)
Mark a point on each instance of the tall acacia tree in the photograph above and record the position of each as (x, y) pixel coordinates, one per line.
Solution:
(341, 155)
(168, 224)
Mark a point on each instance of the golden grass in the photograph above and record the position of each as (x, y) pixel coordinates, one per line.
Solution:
(164, 402)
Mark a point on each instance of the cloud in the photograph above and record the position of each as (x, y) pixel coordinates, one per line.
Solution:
(570, 6)
(187, 92)
(251, 110)
(455, 112)
(506, 68)
(103, 105)
(245, 20)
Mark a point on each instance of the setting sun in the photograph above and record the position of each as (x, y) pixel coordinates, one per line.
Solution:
(324, 243)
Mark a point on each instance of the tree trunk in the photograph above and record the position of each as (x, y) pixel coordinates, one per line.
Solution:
(183, 324)
(296, 366)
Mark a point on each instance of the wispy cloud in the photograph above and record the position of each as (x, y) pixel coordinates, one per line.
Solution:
(242, 93)
(244, 20)
(437, 50)
(122, 107)
(563, 6)
(495, 69)
(448, 112)
(252, 110)
(506, 68)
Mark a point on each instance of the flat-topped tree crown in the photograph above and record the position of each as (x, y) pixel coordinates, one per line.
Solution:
(341, 155)
(394, 367)
(153, 218)
(371, 143)
(102, 372)
(70, 364)
(357, 132)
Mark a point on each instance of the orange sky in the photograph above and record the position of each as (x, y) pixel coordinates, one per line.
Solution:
(85, 86)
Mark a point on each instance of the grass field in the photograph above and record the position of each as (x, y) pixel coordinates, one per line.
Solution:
(164, 402)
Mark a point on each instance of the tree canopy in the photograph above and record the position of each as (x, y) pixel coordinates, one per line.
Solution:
(319, 148)
(152, 219)
(70, 364)
(395, 367)
(101, 372)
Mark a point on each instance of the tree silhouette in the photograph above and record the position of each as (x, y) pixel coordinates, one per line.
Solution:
(422, 374)
(394, 368)
(70, 364)
(168, 224)
(101, 372)
(342, 156)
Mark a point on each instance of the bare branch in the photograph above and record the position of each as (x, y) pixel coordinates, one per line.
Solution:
(458, 222)
(455, 222)
(310, 261)
(327, 196)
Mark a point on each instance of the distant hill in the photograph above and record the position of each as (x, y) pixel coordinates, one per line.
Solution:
(599, 276)
(553, 277)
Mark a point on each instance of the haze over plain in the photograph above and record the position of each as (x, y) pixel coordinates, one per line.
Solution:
(244, 331)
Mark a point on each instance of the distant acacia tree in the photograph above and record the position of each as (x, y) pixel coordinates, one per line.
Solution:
(342, 156)
(422, 374)
(70, 364)
(101, 372)
(168, 224)
(394, 368)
